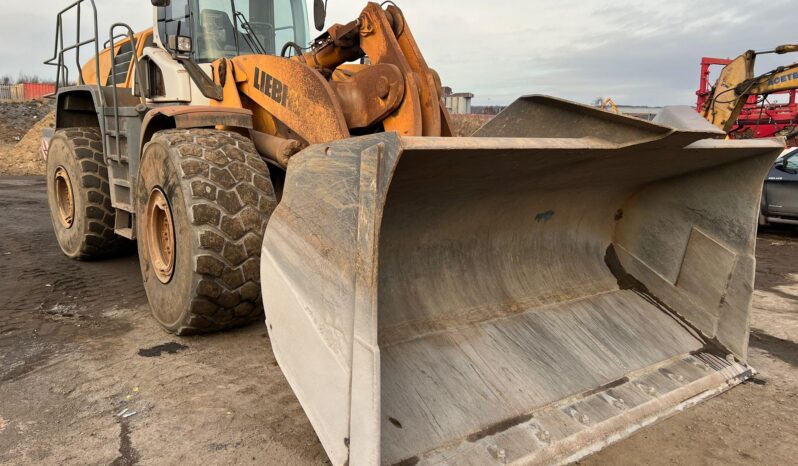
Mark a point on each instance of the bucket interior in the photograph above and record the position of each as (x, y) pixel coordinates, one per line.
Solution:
(497, 292)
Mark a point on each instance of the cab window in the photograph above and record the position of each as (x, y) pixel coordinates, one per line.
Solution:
(215, 32)
(227, 28)
(264, 26)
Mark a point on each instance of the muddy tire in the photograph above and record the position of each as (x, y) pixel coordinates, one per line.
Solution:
(79, 196)
(203, 200)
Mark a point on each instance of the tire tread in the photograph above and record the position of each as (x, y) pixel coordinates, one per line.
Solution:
(213, 165)
(99, 240)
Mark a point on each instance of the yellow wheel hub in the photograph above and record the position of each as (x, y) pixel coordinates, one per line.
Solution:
(160, 235)
(64, 198)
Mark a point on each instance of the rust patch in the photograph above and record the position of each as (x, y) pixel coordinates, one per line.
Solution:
(499, 427)
(412, 461)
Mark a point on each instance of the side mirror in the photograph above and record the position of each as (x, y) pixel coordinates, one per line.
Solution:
(161, 2)
(319, 13)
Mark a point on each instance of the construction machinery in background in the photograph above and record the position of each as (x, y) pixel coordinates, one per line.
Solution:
(739, 102)
(638, 111)
(530, 294)
(607, 104)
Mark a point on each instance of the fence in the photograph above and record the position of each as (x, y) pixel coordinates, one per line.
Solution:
(12, 92)
(24, 91)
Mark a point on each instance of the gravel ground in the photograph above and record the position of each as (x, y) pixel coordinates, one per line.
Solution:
(87, 377)
(21, 126)
(17, 118)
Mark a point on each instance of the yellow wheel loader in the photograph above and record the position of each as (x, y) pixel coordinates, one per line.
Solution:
(527, 295)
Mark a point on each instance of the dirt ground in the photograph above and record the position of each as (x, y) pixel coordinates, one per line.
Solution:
(87, 377)
(21, 126)
(466, 125)
(17, 118)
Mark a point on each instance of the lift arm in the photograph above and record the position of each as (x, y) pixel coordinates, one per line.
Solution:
(321, 96)
(737, 82)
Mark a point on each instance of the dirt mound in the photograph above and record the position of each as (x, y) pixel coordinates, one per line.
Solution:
(466, 125)
(17, 118)
(24, 157)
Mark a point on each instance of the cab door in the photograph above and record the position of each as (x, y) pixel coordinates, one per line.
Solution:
(781, 188)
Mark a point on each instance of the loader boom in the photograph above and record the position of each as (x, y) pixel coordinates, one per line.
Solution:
(320, 99)
(737, 83)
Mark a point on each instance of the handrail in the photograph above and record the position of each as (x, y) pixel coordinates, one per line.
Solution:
(109, 41)
(139, 77)
(62, 74)
(59, 48)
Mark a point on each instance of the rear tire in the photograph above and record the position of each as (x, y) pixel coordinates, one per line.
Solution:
(203, 200)
(79, 195)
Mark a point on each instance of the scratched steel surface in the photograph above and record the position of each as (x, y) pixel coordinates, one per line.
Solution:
(451, 384)
(442, 300)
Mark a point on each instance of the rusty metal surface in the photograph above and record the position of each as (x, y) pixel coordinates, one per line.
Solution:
(315, 97)
(188, 110)
(449, 291)
(276, 149)
(429, 88)
(378, 42)
(385, 38)
(213, 118)
(337, 46)
(195, 116)
(291, 93)
(368, 95)
(202, 117)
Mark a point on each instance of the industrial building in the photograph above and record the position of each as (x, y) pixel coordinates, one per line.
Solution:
(457, 103)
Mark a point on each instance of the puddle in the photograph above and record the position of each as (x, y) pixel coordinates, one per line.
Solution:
(156, 351)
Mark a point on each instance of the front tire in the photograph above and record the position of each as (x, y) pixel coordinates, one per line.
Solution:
(203, 200)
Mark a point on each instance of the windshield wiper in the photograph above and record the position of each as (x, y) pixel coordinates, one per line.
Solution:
(250, 37)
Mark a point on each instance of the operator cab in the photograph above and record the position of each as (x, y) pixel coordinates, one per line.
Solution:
(207, 30)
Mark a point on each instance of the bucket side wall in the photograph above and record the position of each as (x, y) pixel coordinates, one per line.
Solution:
(691, 241)
(314, 280)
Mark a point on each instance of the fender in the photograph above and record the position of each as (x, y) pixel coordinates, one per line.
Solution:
(78, 106)
(185, 116)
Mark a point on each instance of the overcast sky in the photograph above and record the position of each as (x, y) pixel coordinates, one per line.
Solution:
(637, 52)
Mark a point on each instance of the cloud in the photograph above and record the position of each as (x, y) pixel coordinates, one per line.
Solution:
(637, 52)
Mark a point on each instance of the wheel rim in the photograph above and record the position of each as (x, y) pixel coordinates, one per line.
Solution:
(64, 198)
(159, 231)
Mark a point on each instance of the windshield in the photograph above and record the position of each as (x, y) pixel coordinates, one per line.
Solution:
(227, 28)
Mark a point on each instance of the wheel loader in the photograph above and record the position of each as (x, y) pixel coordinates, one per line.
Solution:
(530, 294)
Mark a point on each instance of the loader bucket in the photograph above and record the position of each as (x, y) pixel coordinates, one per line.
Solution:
(528, 295)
